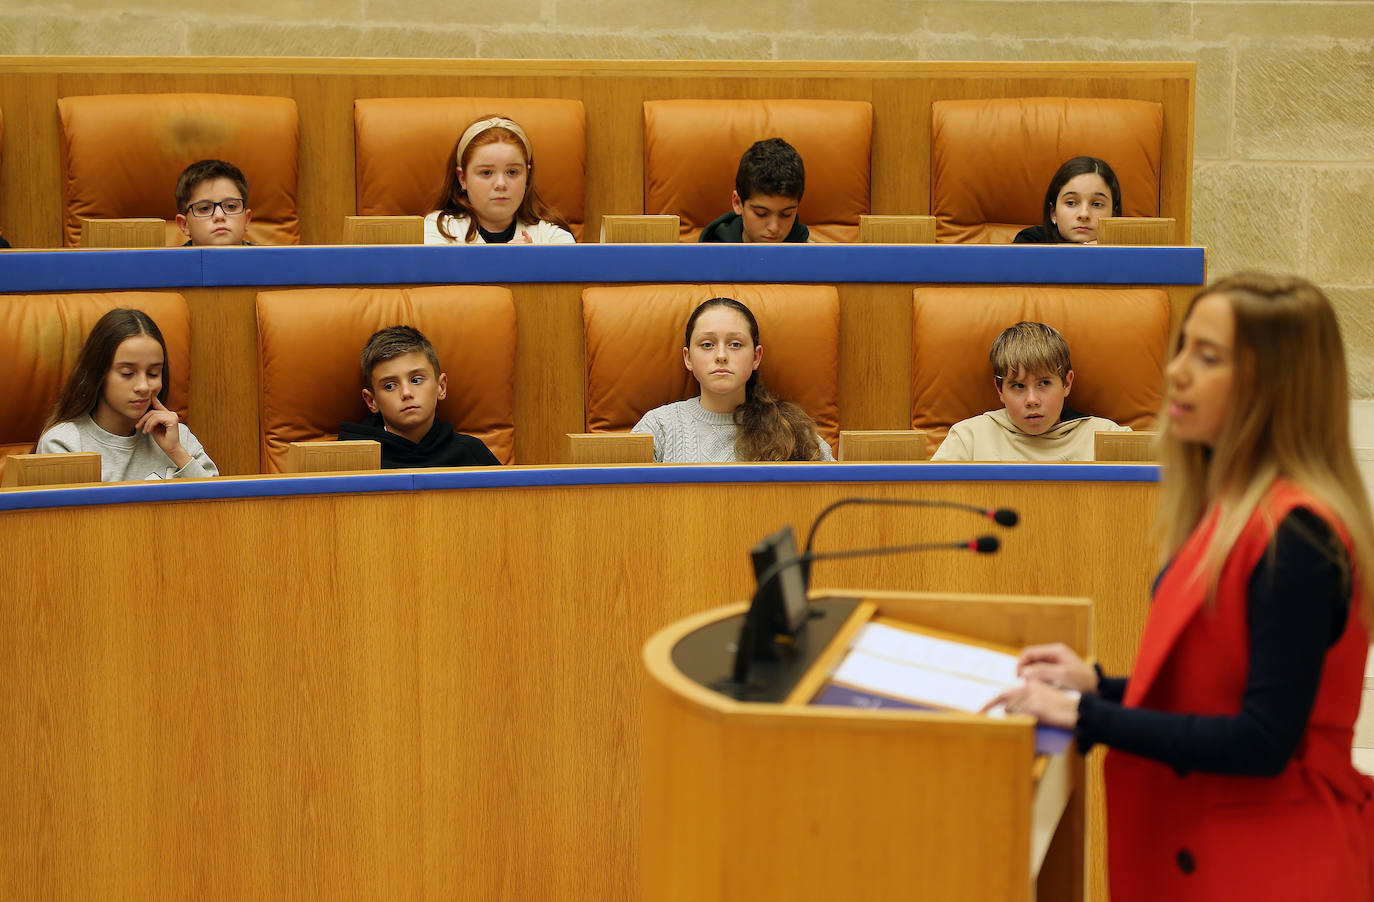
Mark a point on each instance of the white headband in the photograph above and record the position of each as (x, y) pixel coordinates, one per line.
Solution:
(482, 125)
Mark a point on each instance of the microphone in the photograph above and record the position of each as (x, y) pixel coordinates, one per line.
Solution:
(747, 639)
(985, 544)
(1002, 516)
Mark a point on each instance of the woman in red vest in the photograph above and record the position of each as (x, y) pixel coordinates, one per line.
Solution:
(1228, 772)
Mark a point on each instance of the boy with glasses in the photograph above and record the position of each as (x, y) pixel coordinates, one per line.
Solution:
(212, 204)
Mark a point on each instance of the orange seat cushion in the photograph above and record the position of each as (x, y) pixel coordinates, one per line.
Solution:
(41, 336)
(403, 146)
(634, 341)
(310, 341)
(991, 161)
(1117, 339)
(122, 154)
(692, 150)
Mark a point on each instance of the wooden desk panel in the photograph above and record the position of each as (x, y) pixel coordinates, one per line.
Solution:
(420, 694)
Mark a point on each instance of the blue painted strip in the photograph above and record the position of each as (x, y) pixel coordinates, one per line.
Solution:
(828, 264)
(74, 270)
(711, 263)
(536, 477)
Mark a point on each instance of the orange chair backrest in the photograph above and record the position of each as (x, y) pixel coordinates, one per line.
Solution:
(310, 341)
(634, 341)
(692, 150)
(122, 154)
(991, 161)
(41, 336)
(403, 146)
(1117, 340)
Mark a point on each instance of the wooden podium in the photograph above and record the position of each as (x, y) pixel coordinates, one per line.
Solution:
(783, 799)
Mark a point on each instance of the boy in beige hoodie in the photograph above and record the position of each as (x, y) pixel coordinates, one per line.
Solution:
(1033, 375)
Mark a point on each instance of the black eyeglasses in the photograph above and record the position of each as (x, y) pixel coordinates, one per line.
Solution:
(232, 206)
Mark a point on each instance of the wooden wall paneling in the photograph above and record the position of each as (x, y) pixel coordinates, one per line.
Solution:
(224, 376)
(901, 146)
(325, 191)
(1176, 179)
(875, 356)
(550, 376)
(615, 148)
(298, 716)
(31, 174)
(1180, 296)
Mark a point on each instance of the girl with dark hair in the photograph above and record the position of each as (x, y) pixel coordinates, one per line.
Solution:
(1229, 771)
(1082, 192)
(735, 418)
(489, 196)
(114, 403)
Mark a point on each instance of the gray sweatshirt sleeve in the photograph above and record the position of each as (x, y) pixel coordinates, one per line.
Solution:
(200, 464)
(64, 438)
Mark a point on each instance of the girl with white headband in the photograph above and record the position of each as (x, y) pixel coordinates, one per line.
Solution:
(489, 196)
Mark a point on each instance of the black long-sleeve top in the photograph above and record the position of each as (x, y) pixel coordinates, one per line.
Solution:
(1298, 603)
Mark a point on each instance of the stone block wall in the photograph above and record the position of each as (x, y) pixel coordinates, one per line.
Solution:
(1284, 152)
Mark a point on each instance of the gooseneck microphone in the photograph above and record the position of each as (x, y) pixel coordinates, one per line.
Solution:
(743, 657)
(751, 632)
(1002, 516)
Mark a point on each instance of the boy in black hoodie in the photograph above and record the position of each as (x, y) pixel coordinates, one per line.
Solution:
(404, 387)
(768, 190)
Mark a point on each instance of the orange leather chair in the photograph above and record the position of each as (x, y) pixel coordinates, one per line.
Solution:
(634, 346)
(692, 150)
(41, 336)
(992, 160)
(1117, 339)
(309, 342)
(122, 154)
(403, 146)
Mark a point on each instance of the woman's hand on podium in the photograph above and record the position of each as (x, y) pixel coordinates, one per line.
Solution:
(1058, 665)
(1051, 706)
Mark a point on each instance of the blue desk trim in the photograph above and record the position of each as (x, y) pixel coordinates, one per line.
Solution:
(537, 477)
(73, 270)
(96, 270)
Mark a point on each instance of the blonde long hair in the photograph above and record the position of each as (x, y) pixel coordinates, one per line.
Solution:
(1289, 416)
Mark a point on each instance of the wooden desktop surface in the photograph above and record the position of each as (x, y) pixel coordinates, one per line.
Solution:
(428, 685)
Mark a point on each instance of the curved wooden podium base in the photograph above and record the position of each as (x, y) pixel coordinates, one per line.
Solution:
(795, 801)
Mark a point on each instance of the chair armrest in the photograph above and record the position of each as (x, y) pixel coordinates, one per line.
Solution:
(332, 457)
(900, 444)
(27, 470)
(608, 448)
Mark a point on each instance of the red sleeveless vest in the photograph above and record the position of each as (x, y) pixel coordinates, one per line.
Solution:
(1307, 833)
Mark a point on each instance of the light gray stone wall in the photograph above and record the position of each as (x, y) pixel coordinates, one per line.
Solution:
(1284, 150)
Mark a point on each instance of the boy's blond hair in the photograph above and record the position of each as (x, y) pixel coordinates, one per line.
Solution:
(1030, 349)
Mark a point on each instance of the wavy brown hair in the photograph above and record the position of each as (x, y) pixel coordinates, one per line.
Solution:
(82, 390)
(453, 197)
(769, 427)
(1289, 417)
